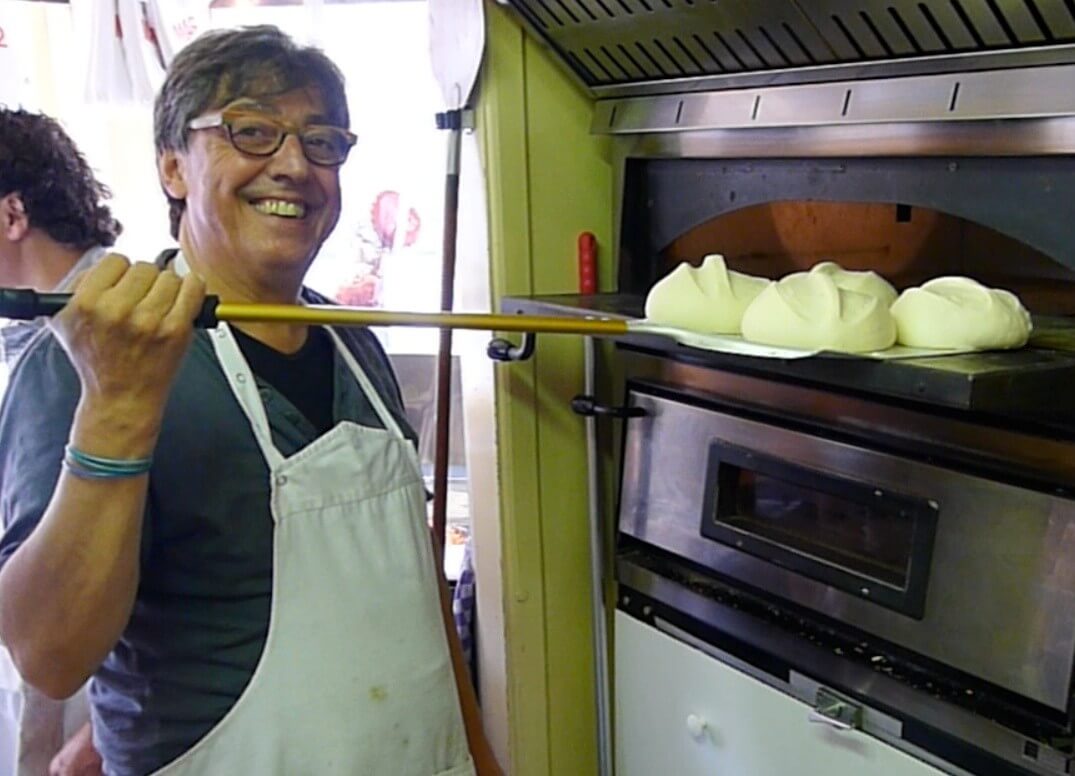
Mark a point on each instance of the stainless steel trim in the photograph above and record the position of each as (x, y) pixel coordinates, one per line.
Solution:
(999, 94)
(847, 71)
(1007, 452)
(999, 605)
(1016, 137)
(838, 672)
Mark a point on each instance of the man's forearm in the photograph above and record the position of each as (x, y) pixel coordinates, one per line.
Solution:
(67, 592)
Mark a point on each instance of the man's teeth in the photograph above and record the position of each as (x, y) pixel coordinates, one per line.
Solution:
(279, 207)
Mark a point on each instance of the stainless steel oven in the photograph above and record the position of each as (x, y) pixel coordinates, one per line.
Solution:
(898, 535)
(932, 583)
(967, 571)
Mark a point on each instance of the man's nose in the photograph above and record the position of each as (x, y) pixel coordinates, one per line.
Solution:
(289, 159)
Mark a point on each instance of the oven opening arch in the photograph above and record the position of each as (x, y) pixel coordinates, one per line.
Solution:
(1003, 221)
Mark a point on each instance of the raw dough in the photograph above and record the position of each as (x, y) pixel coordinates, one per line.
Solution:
(863, 282)
(809, 310)
(709, 299)
(958, 312)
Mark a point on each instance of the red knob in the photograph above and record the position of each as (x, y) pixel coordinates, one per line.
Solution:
(587, 263)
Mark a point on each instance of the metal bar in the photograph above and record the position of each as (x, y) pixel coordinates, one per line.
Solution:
(350, 316)
(926, 64)
(597, 577)
(983, 96)
(26, 304)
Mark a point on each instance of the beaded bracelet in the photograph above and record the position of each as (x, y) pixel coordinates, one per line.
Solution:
(95, 467)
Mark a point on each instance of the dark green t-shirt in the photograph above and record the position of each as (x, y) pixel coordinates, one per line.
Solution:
(201, 614)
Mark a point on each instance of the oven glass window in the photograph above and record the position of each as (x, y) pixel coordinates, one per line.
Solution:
(872, 538)
(872, 542)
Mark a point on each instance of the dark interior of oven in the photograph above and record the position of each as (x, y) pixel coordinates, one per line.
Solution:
(1005, 222)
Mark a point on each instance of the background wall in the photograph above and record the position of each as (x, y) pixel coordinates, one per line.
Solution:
(549, 180)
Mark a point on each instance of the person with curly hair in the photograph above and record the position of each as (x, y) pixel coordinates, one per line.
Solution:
(53, 225)
(53, 220)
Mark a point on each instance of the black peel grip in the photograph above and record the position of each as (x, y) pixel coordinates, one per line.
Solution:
(24, 304)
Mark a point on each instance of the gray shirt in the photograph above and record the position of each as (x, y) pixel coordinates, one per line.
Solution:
(16, 335)
(201, 614)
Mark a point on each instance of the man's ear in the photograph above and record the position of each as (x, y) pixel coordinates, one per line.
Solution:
(14, 223)
(170, 170)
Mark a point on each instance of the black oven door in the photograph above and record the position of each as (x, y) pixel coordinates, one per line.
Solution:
(871, 542)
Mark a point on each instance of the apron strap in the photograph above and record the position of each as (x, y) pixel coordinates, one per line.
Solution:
(244, 386)
(372, 394)
(241, 380)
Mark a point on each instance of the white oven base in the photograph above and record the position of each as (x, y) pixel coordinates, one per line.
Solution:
(681, 711)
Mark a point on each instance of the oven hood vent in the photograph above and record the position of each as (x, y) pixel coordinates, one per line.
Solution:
(619, 48)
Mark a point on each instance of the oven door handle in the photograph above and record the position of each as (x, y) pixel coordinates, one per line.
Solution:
(834, 711)
(588, 406)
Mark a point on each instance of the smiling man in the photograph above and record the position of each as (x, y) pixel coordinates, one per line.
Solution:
(227, 528)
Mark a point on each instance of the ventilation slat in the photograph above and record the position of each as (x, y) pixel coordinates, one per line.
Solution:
(847, 36)
(712, 60)
(646, 59)
(789, 47)
(668, 58)
(1057, 19)
(598, 67)
(580, 68)
(587, 11)
(1019, 20)
(800, 46)
(946, 18)
(985, 22)
(531, 12)
(882, 24)
(742, 56)
(550, 14)
(629, 57)
(762, 55)
(621, 64)
(684, 51)
(562, 5)
(855, 29)
(599, 8)
(915, 26)
(761, 43)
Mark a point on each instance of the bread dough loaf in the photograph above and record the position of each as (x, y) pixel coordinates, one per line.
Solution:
(709, 299)
(958, 312)
(808, 310)
(862, 282)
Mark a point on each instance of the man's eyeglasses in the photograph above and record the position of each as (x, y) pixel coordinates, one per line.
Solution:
(259, 135)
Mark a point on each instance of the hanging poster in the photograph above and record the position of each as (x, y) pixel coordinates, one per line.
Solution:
(107, 77)
(176, 23)
(16, 55)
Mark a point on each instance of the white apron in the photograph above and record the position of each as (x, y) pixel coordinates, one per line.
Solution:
(356, 677)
